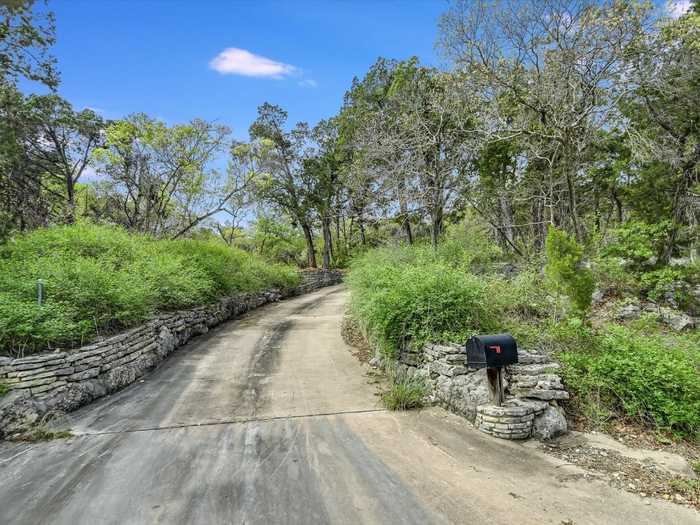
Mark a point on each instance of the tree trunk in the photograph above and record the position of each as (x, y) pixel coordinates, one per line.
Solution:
(363, 237)
(506, 217)
(403, 211)
(572, 206)
(338, 245)
(310, 250)
(677, 209)
(70, 193)
(407, 230)
(327, 242)
(436, 227)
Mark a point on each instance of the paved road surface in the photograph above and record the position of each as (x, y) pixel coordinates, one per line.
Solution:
(269, 419)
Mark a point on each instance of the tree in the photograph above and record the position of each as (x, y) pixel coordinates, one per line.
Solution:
(365, 177)
(559, 63)
(421, 139)
(23, 202)
(323, 167)
(286, 185)
(159, 179)
(663, 104)
(25, 37)
(62, 145)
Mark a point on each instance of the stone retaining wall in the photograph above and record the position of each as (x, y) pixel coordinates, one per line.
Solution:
(532, 389)
(62, 381)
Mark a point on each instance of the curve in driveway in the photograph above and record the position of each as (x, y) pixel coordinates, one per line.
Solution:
(269, 419)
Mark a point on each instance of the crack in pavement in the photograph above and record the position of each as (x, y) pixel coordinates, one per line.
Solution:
(235, 421)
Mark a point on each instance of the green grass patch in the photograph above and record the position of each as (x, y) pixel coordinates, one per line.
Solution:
(4, 389)
(100, 279)
(406, 393)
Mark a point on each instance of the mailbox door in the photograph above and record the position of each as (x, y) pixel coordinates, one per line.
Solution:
(476, 357)
(500, 350)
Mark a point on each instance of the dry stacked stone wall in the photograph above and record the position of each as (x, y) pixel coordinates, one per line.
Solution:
(62, 381)
(532, 391)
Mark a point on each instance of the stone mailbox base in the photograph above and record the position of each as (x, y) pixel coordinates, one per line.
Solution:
(506, 422)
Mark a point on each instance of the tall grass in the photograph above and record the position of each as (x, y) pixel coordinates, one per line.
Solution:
(414, 295)
(100, 279)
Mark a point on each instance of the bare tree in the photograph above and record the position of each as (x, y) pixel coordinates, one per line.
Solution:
(421, 141)
(557, 62)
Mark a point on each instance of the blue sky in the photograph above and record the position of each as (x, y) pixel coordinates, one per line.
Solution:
(120, 57)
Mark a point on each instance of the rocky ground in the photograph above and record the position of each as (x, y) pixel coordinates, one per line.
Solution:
(648, 473)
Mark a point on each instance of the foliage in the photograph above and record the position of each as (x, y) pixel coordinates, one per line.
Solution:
(276, 240)
(4, 389)
(158, 178)
(650, 377)
(411, 295)
(100, 278)
(25, 37)
(637, 242)
(405, 393)
(565, 269)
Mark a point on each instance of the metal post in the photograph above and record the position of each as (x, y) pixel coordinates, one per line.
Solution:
(499, 387)
(40, 291)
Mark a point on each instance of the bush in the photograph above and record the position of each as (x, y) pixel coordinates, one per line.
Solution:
(405, 393)
(637, 242)
(408, 294)
(100, 279)
(565, 269)
(650, 377)
(4, 389)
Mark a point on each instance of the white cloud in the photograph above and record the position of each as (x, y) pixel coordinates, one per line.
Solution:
(677, 8)
(308, 83)
(234, 61)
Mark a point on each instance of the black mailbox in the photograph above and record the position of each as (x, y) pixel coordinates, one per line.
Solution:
(491, 351)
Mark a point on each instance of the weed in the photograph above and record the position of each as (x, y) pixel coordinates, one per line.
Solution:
(41, 434)
(405, 393)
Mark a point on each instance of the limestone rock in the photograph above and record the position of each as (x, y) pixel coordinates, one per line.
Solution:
(630, 311)
(550, 423)
(166, 340)
(677, 320)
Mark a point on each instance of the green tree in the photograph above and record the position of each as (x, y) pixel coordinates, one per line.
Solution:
(566, 271)
(62, 145)
(663, 103)
(159, 177)
(25, 38)
(286, 183)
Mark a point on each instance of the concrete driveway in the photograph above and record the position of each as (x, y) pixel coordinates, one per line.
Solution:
(269, 419)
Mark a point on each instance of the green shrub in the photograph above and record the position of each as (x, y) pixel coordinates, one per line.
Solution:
(650, 377)
(523, 296)
(99, 279)
(637, 242)
(565, 269)
(409, 294)
(4, 389)
(405, 393)
(675, 282)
